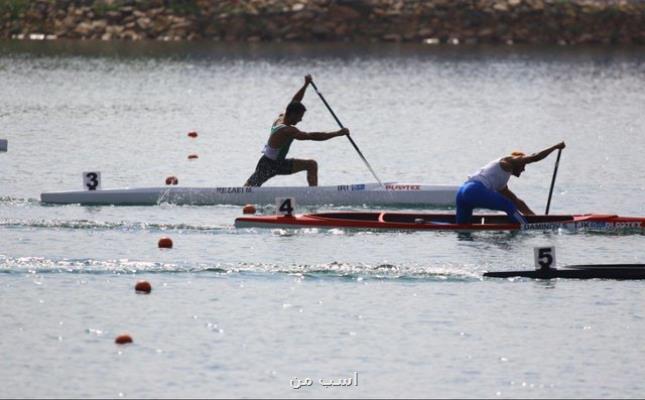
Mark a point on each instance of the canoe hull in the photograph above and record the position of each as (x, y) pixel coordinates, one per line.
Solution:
(440, 222)
(392, 194)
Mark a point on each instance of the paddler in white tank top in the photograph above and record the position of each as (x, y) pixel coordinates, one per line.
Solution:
(283, 132)
(488, 187)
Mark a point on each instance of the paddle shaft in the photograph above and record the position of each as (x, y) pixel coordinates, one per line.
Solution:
(348, 137)
(555, 172)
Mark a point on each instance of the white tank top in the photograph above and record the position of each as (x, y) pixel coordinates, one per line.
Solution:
(272, 153)
(492, 176)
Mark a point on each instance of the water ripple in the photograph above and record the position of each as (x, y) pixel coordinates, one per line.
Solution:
(333, 270)
(18, 201)
(83, 224)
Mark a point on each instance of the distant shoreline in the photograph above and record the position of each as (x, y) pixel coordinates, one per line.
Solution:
(360, 21)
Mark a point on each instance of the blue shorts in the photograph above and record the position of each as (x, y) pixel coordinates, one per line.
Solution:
(473, 194)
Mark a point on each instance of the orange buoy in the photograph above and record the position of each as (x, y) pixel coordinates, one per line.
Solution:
(143, 287)
(123, 339)
(192, 134)
(192, 156)
(172, 180)
(165, 243)
(249, 209)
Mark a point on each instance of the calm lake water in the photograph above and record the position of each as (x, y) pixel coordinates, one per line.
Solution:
(249, 313)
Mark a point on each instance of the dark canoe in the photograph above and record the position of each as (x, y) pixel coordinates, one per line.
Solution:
(592, 271)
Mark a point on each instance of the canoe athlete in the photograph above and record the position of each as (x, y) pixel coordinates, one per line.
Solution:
(487, 188)
(283, 132)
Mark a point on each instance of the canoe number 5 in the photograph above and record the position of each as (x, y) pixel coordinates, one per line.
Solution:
(285, 205)
(91, 180)
(544, 257)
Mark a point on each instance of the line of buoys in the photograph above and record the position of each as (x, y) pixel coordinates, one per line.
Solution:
(141, 287)
(165, 243)
(123, 339)
(249, 209)
(144, 287)
(192, 134)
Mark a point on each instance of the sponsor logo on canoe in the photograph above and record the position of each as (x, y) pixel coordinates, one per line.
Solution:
(234, 189)
(608, 225)
(402, 187)
(540, 226)
(592, 225)
(351, 188)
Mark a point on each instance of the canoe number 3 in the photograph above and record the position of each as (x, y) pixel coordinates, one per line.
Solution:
(92, 180)
(544, 257)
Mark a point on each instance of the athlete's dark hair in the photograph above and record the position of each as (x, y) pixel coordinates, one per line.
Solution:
(295, 107)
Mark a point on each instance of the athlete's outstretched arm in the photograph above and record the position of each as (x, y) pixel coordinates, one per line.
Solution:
(301, 93)
(317, 136)
(543, 154)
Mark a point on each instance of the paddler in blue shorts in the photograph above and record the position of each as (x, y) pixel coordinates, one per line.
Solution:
(488, 187)
(283, 132)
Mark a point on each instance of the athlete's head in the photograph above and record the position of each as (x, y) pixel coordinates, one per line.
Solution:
(517, 162)
(295, 111)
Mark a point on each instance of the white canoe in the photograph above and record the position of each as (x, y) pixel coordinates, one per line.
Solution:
(390, 194)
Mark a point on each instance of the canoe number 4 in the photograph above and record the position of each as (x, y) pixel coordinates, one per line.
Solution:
(285, 205)
(544, 257)
(91, 180)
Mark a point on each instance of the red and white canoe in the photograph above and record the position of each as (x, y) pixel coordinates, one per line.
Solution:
(442, 222)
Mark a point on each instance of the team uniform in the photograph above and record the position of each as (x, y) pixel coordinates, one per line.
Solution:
(273, 162)
(481, 190)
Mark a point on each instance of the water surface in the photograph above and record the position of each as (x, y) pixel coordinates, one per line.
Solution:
(244, 312)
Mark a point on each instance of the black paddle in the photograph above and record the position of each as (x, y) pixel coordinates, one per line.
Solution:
(348, 137)
(555, 172)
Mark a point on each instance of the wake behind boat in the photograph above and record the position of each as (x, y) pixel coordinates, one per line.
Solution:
(371, 194)
(442, 222)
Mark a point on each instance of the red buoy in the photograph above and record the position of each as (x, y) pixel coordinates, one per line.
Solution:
(172, 180)
(165, 243)
(143, 287)
(123, 339)
(249, 209)
(192, 134)
(192, 156)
